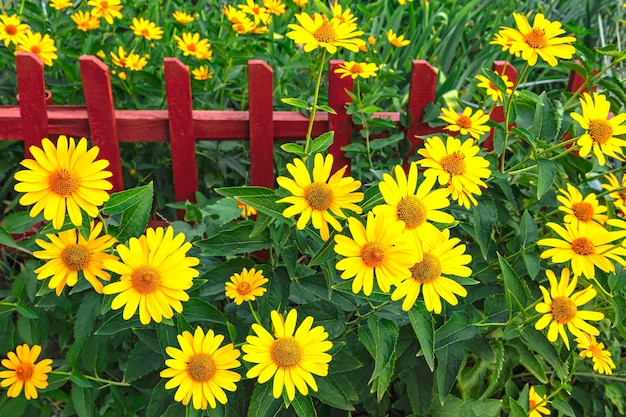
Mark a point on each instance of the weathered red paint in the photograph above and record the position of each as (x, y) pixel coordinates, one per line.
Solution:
(340, 123)
(261, 125)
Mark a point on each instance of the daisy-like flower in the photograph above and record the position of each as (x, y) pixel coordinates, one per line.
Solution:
(492, 90)
(537, 403)
(25, 372)
(202, 73)
(466, 123)
(456, 165)
(617, 190)
(154, 275)
(395, 40)
(11, 30)
(600, 131)
(317, 32)
(344, 16)
(42, 46)
(560, 308)
(60, 4)
(146, 28)
(259, 13)
(101, 54)
(109, 9)
(246, 210)
(136, 62)
(301, 3)
(69, 252)
(121, 57)
(275, 7)
(587, 247)
(246, 286)
(191, 44)
(541, 40)
(85, 21)
(182, 17)
(292, 355)
(503, 40)
(591, 348)
(412, 205)
(201, 369)
(580, 210)
(357, 69)
(63, 176)
(377, 249)
(315, 198)
(441, 255)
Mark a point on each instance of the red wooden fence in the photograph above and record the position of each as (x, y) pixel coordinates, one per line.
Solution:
(181, 126)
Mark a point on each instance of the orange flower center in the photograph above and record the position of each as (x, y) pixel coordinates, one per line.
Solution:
(10, 30)
(454, 164)
(583, 246)
(318, 195)
(356, 68)
(243, 288)
(35, 49)
(563, 309)
(536, 39)
(64, 182)
(428, 270)
(192, 47)
(583, 211)
(600, 131)
(75, 257)
(104, 4)
(532, 403)
(464, 122)
(412, 211)
(373, 254)
(24, 371)
(286, 352)
(145, 279)
(201, 367)
(325, 33)
(145, 32)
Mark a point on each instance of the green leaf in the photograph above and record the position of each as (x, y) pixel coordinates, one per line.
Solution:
(538, 343)
(385, 142)
(528, 229)
(247, 191)
(235, 240)
(326, 108)
(324, 254)
(262, 403)
(83, 400)
(266, 205)
(135, 206)
(296, 102)
(197, 309)
(546, 121)
(304, 406)
(457, 329)
(123, 200)
(380, 337)
(610, 50)
(336, 391)
(547, 173)
(563, 407)
(79, 379)
(7, 240)
(423, 326)
(25, 311)
(529, 361)
(20, 222)
(485, 218)
(449, 361)
(525, 135)
(495, 79)
(160, 399)
(295, 149)
(141, 361)
(117, 324)
(13, 407)
(481, 408)
(88, 312)
(322, 142)
(513, 286)
(516, 409)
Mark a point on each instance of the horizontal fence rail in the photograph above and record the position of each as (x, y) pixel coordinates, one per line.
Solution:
(181, 126)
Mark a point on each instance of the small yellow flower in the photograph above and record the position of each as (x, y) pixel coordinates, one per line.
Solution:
(191, 44)
(275, 7)
(397, 41)
(259, 14)
(579, 210)
(121, 57)
(371, 40)
(136, 62)
(202, 73)
(23, 372)
(602, 362)
(466, 123)
(85, 21)
(617, 191)
(357, 69)
(11, 30)
(246, 210)
(182, 17)
(492, 90)
(301, 3)
(109, 9)
(122, 75)
(344, 16)
(146, 28)
(101, 54)
(537, 403)
(246, 286)
(42, 46)
(60, 4)
(318, 32)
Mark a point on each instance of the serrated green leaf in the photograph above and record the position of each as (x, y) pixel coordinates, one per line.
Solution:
(528, 229)
(380, 337)
(262, 402)
(423, 326)
(563, 407)
(456, 329)
(247, 191)
(326, 108)
(516, 409)
(304, 406)
(117, 324)
(322, 142)
(296, 102)
(197, 309)
(333, 392)
(141, 361)
(79, 379)
(547, 173)
(538, 343)
(325, 253)
(449, 361)
(485, 217)
(7, 240)
(20, 222)
(235, 240)
(529, 361)
(123, 200)
(295, 149)
(513, 286)
(83, 400)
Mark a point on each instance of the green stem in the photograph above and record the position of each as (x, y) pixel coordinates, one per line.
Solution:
(513, 170)
(254, 314)
(320, 70)
(93, 378)
(365, 124)
(104, 225)
(507, 117)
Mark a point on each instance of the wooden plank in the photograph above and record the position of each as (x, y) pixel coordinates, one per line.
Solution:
(101, 113)
(497, 115)
(422, 93)
(32, 99)
(179, 107)
(340, 123)
(261, 131)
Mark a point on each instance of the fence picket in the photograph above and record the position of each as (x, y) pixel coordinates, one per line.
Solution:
(421, 94)
(32, 96)
(340, 123)
(261, 119)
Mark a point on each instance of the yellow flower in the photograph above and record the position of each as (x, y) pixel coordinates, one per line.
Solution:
(344, 16)
(69, 252)
(541, 40)
(202, 73)
(154, 275)
(466, 123)
(182, 17)
(397, 41)
(456, 165)
(85, 21)
(587, 247)
(136, 62)
(412, 205)
(120, 58)
(64, 176)
(11, 30)
(602, 362)
(537, 403)
(316, 31)
(146, 28)
(191, 44)
(357, 69)
(43, 47)
(60, 4)
(25, 372)
(378, 250)
(101, 54)
(600, 131)
(440, 256)
(315, 200)
(276, 7)
(503, 40)
(292, 356)
(492, 90)
(403, 2)
(581, 210)
(201, 369)
(246, 286)
(260, 14)
(560, 308)
(122, 75)
(109, 9)
(371, 40)
(301, 3)
(617, 190)
(246, 210)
